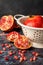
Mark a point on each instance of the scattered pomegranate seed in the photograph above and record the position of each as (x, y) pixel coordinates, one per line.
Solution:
(23, 51)
(21, 54)
(34, 58)
(9, 45)
(6, 58)
(19, 50)
(31, 59)
(25, 58)
(14, 52)
(3, 45)
(6, 44)
(10, 53)
(1, 52)
(4, 49)
(16, 57)
(21, 59)
(33, 52)
(36, 54)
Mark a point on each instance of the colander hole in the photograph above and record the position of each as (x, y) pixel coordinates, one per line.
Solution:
(37, 36)
(37, 30)
(34, 32)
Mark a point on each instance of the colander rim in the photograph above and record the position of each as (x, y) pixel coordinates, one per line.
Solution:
(22, 25)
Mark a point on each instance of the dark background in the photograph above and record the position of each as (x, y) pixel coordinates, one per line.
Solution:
(26, 7)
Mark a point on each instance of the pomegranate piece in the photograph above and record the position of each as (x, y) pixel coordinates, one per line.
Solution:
(12, 36)
(7, 23)
(22, 42)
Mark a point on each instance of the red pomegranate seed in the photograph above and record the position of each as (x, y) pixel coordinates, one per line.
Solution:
(21, 54)
(33, 52)
(1, 52)
(21, 59)
(19, 50)
(25, 58)
(36, 54)
(34, 58)
(6, 44)
(4, 49)
(10, 53)
(6, 58)
(9, 45)
(31, 59)
(3, 45)
(14, 52)
(16, 57)
(23, 51)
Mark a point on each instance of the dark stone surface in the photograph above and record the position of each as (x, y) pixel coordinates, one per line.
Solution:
(28, 54)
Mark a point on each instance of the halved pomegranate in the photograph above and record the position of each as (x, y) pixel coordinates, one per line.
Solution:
(12, 36)
(7, 23)
(22, 42)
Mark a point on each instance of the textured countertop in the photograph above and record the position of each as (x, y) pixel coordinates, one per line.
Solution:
(28, 54)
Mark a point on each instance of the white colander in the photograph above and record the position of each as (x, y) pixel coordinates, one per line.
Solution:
(34, 34)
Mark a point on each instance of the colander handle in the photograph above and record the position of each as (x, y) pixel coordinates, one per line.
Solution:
(17, 16)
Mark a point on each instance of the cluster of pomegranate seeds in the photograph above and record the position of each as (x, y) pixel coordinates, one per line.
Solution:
(35, 54)
(22, 58)
(8, 46)
(22, 55)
